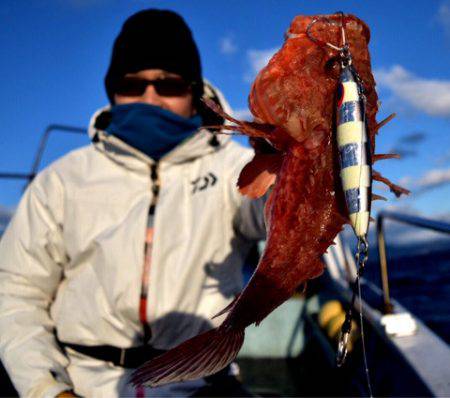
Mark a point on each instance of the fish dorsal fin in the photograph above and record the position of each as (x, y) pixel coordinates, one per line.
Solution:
(259, 174)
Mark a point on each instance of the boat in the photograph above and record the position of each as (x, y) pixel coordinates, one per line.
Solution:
(293, 351)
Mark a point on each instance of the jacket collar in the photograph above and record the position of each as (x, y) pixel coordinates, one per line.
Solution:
(197, 146)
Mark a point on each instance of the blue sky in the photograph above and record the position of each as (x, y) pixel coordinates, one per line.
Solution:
(55, 53)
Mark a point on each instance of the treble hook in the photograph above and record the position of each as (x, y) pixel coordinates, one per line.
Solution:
(343, 50)
(344, 337)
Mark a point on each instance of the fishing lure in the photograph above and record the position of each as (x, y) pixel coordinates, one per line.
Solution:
(352, 138)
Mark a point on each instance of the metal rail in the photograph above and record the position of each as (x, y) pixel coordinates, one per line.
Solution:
(38, 157)
(16, 176)
(420, 222)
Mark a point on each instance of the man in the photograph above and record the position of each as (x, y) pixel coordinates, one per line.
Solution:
(125, 248)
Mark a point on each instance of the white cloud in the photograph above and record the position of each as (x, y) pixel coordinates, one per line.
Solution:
(431, 179)
(405, 181)
(258, 59)
(243, 114)
(431, 96)
(227, 45)
(434, 178)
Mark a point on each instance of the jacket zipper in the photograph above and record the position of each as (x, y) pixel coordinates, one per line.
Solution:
(155, 186)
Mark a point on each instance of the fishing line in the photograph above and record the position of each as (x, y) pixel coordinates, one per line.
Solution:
(361, 321)
(362, 242)
(361, 257)
(368, 160)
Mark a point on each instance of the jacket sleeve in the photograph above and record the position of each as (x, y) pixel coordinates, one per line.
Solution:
(249, 220)
(31, 258)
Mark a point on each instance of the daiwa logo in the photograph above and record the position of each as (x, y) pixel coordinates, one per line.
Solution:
(201, 183)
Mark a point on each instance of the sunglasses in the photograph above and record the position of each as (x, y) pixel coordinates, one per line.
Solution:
(166, 87)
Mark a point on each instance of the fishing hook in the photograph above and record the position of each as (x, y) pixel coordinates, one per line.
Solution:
(344, 49)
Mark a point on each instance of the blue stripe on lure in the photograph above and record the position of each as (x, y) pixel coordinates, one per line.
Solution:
(354, 149)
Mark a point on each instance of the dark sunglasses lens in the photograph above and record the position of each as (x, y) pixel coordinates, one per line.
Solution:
(131, 87)
(171, 87)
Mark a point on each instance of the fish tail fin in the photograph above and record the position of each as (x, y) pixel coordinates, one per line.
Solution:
(197, 357)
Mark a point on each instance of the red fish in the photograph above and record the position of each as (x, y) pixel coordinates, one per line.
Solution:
(292, 100)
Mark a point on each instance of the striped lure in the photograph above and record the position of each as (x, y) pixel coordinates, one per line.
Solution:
(352, 138)
(354, 149)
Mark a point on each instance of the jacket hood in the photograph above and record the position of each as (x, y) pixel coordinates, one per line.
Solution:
(200, 144)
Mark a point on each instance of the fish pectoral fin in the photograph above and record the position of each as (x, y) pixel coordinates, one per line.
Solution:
(259, 174)
(228, 308)
(217, 109)
(396, 189)
(251, 129)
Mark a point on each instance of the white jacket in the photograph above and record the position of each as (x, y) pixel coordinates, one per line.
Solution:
(71, 259)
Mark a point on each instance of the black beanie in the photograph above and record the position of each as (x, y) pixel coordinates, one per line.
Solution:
(155, 39)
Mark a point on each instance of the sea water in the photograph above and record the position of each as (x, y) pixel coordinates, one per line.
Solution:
(419, 279)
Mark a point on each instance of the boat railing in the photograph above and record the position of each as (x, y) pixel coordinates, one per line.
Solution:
(415, 221)
(40, 152)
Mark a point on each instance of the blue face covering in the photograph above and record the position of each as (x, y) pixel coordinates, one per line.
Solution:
(150, 129)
